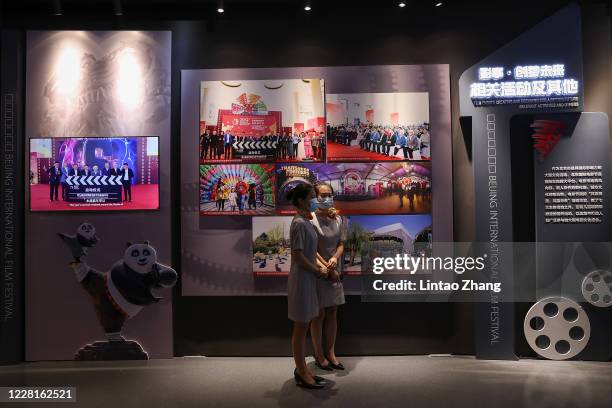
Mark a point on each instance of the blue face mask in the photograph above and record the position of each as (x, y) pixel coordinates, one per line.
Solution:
(313, 205)
(326, 203)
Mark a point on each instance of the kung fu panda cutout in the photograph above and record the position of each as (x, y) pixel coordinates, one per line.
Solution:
(118, 294)
(85, 238)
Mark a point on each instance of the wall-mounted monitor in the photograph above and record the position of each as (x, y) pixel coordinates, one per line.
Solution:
(94, 173)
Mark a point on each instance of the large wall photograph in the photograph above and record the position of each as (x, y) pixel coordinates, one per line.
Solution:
(262, 121)
(362, 188)
(118, 173)
(236, 189)
(374, 127)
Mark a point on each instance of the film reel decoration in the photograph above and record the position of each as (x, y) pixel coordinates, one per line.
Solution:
(597, 288)
(557, 328)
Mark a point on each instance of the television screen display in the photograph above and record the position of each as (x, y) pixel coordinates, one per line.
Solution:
(94, 173)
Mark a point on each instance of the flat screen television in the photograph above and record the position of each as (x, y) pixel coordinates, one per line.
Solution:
(94, 173)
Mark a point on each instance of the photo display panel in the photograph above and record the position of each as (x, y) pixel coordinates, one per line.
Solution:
(251, 135)
(378, 127)
(262, 121)
(98, 173)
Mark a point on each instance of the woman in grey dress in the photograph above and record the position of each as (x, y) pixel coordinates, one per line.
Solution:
(302, 282)
(331, 233)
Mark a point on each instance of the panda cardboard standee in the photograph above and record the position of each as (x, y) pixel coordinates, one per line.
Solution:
(118, 294)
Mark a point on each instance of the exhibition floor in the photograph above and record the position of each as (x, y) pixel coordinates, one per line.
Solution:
(415, 381)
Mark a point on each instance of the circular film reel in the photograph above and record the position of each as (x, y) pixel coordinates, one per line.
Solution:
(557, 328)
(597, 288)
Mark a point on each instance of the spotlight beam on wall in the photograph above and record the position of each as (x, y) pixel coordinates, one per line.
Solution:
(308, 5)
(220, 7)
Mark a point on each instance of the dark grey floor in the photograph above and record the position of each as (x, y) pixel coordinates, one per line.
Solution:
(369, 382)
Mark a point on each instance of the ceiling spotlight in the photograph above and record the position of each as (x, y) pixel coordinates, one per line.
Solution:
(220, 8)
(57, 7)
(438, 4)
(307, 6)
(118, 8)
(402, 4)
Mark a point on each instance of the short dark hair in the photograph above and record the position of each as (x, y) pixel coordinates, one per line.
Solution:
(318, 186)
(299, 192)
(125, 164)
(57, 162)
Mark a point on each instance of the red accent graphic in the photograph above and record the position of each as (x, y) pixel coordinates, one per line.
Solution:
(546, 135)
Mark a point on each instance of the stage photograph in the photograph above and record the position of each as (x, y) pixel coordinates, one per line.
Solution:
(375, 127)
(279, 120)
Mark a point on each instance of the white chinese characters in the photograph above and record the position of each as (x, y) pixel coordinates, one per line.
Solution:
(524, 81)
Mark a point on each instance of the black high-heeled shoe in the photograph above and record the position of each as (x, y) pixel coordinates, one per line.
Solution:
(319, 379)
(338, 366)
(300, 382)
(324, 367)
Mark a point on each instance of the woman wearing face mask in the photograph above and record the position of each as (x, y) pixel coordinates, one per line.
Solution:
(331, 232)
(302, 283)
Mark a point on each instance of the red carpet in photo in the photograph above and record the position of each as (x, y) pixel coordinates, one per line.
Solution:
(342, 153)
(339, 152)
(144, 197)
(251, 161)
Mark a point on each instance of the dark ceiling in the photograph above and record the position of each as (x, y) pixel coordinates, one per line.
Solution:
(367, 13)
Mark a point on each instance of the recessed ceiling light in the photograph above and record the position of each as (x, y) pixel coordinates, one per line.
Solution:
(438, 4)
(402, 4)
(220, 10)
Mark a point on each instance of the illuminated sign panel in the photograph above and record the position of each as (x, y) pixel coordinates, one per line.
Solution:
(525, 84)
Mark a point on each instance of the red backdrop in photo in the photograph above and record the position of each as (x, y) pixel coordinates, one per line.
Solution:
(250, 125)
(369, 114)
(317, 124)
